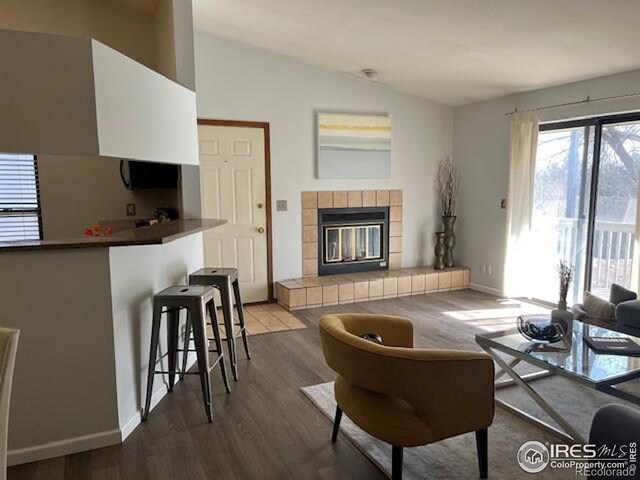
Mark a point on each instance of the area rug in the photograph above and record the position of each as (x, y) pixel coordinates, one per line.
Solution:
(456, 458)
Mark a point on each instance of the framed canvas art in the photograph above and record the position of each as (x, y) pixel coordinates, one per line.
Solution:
(354, 146)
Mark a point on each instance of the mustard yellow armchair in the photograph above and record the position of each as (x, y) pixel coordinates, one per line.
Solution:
(405, 396)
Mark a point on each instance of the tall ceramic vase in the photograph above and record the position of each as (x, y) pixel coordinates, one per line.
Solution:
(440, 251)
(449, 240)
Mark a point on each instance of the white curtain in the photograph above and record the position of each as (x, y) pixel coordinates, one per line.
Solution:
(518, 261)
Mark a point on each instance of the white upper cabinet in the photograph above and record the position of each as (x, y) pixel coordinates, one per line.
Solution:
(74, 96)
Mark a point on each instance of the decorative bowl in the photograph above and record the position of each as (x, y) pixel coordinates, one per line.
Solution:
(542, 328)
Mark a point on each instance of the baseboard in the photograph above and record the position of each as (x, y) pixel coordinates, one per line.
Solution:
(136, 419)
(485, 289)
(64, 447)
(84, 443)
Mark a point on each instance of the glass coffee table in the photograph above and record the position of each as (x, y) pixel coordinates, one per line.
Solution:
(572, 359)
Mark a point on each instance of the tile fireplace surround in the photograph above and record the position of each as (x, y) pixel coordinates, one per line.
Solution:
(312, 201)
(314, 291)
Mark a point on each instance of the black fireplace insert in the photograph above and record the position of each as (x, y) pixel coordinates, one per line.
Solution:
(353, 240)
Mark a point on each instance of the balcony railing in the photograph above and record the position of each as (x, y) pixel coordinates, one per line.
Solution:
(613, 247)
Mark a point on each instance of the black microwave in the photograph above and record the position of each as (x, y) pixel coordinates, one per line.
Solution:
(149, 175)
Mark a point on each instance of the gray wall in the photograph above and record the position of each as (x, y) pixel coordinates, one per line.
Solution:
(481, 146)
(63, 384)
(238, 82)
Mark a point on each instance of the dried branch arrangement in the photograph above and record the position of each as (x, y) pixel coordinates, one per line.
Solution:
(565, 270)
(447, 186)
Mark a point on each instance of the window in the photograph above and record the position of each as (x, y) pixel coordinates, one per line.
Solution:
(586, 184)
(20, 215)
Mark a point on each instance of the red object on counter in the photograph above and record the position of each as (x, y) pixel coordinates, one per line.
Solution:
(95, 231)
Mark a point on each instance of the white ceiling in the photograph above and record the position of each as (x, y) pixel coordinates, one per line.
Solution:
(452, 51)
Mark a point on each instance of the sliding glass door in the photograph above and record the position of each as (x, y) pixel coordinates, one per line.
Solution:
(616, 206)
(560, 214)
(585, 204)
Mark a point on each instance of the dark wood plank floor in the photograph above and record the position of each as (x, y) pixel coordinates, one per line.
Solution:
(266, 428)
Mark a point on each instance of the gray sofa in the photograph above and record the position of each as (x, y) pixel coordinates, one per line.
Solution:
(628, 317)
(622, 305)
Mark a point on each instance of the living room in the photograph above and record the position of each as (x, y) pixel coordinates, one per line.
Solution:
(419, 219)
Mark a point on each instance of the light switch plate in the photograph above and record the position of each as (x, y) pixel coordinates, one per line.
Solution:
(281, 205)
(131, 209)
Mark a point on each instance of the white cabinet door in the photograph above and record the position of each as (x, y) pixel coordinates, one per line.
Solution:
(232, 177)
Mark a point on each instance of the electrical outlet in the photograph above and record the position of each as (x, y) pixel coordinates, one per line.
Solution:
(131, 209)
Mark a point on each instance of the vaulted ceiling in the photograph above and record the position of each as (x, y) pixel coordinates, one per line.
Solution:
(452, 51)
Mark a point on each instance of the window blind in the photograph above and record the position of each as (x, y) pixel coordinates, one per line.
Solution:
(20, 215)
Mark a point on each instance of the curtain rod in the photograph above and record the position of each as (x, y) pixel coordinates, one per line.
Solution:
(586, 100)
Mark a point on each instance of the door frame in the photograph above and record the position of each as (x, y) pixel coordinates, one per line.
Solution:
(267, 183)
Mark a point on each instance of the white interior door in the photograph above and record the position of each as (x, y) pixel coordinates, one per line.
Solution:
(233, 187)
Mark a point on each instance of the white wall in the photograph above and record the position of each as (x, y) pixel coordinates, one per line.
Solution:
(81, 367)
(137, 273)
(481, 146)
(237, 82)
(93, 100)
(141, 115)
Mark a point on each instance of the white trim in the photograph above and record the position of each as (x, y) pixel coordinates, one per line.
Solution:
(485, 289)
(136, 419)
(131, 424)
(64, 447)
(84, 443)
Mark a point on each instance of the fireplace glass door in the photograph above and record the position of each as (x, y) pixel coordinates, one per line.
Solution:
(352, 243)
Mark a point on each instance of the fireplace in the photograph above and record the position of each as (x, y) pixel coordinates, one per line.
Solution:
(353, 240)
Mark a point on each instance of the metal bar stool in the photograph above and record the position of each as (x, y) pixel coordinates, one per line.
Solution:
(226, 280)
(196, 300)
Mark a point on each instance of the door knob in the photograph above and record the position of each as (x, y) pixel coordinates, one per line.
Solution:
(260, 205)
(260, 229)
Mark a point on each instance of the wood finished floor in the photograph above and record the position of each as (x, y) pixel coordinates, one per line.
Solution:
(266, 428)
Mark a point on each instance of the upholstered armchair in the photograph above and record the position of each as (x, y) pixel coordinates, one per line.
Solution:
(8, 349)
(403, 395)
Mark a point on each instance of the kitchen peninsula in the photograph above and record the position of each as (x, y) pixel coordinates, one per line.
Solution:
(84, 310)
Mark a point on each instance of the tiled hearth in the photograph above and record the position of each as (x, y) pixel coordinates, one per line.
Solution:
(310, 292)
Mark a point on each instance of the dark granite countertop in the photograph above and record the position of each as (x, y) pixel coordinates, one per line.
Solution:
(151, 235)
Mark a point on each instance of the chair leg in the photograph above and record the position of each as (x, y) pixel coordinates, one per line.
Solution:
(482, 444)
(227, 310)
(336, 424)
(186, 343)
(396, 463)
(153, 351)
(216, 338)
(243, 329)
(173, 322)
(202, 351)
